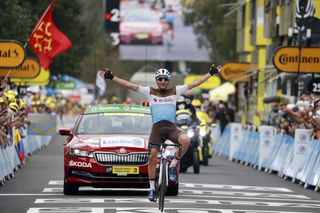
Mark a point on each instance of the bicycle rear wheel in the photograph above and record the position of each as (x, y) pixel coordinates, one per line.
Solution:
(163, 183)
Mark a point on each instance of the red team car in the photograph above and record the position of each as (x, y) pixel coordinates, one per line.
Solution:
(108, 148)
(141, 26)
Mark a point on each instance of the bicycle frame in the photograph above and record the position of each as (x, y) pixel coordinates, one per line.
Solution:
(163, 180)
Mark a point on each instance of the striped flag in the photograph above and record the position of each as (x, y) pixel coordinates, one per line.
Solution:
(19, 145)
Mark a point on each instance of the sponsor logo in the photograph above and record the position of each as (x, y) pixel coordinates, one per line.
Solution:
(122, 150)
(303, 137)
(236, 129)
(109, 169)
(80, 164)
(285, 59)
(266, 142)
(267, 133)
(165, 100)
(122, 141)
(302, 148)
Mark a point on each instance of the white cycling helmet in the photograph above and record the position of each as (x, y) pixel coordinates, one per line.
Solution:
(163, 73)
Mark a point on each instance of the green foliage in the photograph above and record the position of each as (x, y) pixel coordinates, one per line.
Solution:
(18, 18)
(213, 29)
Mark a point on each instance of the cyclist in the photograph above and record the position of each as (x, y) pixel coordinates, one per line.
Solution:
(169, 19)
(163, 112)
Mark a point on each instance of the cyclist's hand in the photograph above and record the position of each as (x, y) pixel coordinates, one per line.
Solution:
(106, 74)
(215, 70)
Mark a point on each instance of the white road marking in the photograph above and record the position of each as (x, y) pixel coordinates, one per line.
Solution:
(95, 189)
(55, 182)
(212, 186)
(146, 210)
(66, 210)
(48, 190)
(245, 198)
(236, 187)
(310, 204)
(243, 194)
(30, 194)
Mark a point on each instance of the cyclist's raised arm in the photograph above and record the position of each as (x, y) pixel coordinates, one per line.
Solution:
(107, 74)
(202, 79)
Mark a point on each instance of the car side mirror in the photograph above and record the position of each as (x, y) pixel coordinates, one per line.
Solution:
(65, 131)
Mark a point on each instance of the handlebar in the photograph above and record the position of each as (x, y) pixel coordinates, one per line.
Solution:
(164, 145)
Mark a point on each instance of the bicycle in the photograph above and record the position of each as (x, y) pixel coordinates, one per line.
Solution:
(162, 173)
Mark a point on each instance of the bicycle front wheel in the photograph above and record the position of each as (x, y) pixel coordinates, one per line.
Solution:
(163, 183)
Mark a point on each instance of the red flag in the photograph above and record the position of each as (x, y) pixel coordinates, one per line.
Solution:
(46, 40)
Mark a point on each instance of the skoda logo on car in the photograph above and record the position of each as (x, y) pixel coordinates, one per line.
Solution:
(122, 150)
(80, 164)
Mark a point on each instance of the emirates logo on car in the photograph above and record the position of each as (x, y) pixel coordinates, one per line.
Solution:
(80, 164)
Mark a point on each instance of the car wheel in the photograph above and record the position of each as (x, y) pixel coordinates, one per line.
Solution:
(173, 190)
(70, 189)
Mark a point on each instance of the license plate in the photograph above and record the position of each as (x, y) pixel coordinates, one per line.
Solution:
(125, 170)
(142, 36)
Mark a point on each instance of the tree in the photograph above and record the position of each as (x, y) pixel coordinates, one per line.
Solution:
(212, 28)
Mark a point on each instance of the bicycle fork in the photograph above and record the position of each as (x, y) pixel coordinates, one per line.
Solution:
(163, 162)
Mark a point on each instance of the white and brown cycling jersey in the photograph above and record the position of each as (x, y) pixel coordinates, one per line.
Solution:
(163, 103)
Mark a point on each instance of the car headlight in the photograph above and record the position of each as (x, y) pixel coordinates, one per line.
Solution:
(190, 133)
(203, 133)
(80, 153)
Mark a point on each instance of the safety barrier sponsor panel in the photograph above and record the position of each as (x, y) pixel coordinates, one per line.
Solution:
(295, 157)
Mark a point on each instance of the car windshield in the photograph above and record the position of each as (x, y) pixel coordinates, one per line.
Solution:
(115, 123)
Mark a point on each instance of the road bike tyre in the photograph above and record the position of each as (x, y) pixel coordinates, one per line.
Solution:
(196, 162)
(205, 153)
(173, 190)
(162, 185)
(70, 189)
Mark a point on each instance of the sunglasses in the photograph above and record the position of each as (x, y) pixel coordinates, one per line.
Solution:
(161, 79)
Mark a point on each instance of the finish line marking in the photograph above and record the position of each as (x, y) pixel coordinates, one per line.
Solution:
(30, 194)
(212, 186)
(146, 210)
(310, 204)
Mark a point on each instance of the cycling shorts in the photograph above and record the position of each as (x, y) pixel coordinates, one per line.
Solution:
(165, 129)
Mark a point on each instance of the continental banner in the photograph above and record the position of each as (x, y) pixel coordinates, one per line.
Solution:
(42, 124)
(295, 59)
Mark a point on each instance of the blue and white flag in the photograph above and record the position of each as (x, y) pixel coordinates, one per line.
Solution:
(101, 86)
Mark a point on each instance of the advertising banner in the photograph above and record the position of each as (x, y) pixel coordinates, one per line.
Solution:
(308, 18)
(235, 139)
(28, 69)
(302, 140)
(266, 144)
(42, 124)
(12, 54)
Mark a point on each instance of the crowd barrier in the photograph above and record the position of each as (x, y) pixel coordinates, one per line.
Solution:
(295, 157)
(31, 139)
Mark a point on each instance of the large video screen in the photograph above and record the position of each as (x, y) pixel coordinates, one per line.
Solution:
(155, 29)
